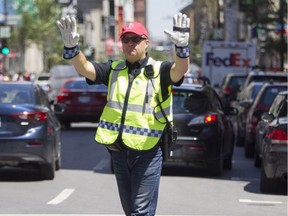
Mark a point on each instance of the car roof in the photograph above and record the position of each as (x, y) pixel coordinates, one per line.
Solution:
(189, 87)
(284, 93)
(23, 83)
(268, 84)
(264, 73)
(255, 84)
(76, 79)
(236, 75)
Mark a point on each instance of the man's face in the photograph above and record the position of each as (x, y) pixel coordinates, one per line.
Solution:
(134, 46)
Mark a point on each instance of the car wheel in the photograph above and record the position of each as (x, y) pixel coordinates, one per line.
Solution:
(58, 163)
(215, 167)
(66, 125)
(47, 171)
(58, 156)
(267, 185)
(227, 164)
(248, 149)
(257, 159)
(239, 139)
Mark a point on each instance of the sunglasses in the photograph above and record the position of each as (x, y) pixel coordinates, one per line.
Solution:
(135, 39)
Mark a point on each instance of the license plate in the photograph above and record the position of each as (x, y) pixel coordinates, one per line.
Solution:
(84, 99)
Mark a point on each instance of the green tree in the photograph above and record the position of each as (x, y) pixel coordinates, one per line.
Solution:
(38, 26)
(264, 14)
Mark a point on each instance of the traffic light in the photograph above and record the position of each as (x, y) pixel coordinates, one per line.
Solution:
(4, 48)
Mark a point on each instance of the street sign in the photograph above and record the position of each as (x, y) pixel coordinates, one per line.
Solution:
(5, 31)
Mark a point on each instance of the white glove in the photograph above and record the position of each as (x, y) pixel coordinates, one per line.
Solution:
(181, 29)
(68, 28)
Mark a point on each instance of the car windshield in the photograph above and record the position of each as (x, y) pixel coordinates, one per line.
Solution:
(236, 81)
(193, 102)
(270, 94)
(255, 91)
(11, 94)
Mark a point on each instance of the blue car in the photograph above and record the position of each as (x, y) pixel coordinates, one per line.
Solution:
(29, 130)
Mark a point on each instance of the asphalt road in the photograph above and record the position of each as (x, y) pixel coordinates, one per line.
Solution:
(86, 186)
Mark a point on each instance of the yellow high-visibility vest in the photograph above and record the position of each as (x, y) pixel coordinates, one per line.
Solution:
(133, 110)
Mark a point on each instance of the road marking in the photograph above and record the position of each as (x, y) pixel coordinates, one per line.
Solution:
(101, 165)
(61, 197)
(260, 202)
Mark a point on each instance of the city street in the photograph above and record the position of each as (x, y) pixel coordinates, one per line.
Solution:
(86, 186)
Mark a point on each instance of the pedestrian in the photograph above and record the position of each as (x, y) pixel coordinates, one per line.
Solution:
(138, 106)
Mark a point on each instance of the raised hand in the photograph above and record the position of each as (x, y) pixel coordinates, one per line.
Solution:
(68, 29)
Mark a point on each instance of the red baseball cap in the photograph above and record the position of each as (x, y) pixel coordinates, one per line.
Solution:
(134, 27)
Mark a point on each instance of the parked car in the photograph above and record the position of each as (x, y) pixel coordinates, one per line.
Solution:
(43, 80)
(58, 76)
(205, 132)
(277, 113)
(274, 146)
(243, 105)
(261, 76)
(29, 129)
(84, 103)
(230, 87)
(261, 104)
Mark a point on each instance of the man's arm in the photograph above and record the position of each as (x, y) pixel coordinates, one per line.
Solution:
(179, 68)
(68, 29)
(83, 66)
(180, 37)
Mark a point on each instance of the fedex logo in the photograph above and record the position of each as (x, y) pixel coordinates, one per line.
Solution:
(234, 60)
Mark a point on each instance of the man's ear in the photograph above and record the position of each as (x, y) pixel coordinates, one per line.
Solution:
(147, 43)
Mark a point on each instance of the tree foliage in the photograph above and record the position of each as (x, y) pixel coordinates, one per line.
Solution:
(38, 26)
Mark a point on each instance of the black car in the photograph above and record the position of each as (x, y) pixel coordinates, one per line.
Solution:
(205, 132)
(230, 87)
(29, 130)
(243, 105)
(261, 104)
(274, 145)
(277, 111)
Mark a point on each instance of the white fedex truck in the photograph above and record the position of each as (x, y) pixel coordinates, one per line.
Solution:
(221, 57)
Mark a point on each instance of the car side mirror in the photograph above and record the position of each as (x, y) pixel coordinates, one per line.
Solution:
(231, 111)
(267, 117)
(59, 108)
(245, 103)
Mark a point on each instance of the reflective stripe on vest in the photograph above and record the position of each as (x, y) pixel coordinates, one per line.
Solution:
(140, 129)
(130, 129)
